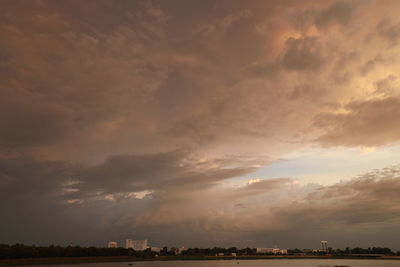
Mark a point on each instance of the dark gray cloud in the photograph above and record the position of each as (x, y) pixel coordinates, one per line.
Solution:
(303, 54)
(131, 77)
(58, 201)
(46, 193)
(127, 117)
(338, 13)
(390, 31)
(25, 124)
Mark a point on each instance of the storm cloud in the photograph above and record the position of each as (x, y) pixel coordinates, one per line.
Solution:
(157, 119)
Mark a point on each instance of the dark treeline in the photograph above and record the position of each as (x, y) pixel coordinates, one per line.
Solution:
(373, 250)
(253, 251)
(348, 251)
(218, 250)
(26, 251)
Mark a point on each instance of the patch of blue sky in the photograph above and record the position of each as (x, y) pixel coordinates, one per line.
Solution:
(327, 165)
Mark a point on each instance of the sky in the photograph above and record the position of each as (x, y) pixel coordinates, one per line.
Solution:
(247, 123)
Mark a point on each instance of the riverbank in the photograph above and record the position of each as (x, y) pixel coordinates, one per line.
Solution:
(66, 260)
(76, 260)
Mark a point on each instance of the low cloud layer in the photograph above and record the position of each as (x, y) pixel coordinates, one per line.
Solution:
(101, 203)
(144, 119)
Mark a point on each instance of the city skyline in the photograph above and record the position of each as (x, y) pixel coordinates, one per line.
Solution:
(200, 123)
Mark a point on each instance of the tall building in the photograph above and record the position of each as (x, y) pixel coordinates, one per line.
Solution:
(271, 251)
(324, 245)
(136, 244)
(112, 244)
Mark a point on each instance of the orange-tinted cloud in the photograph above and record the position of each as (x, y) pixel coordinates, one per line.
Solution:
(103, 101)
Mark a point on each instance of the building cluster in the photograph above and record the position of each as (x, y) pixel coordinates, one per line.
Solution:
(155, 249)
(129, 243)
(112, 244)
(275, 251)
(140, 245)
(325, 249)
(233, 254)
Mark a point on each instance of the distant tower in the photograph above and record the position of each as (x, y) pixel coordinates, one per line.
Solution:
(324, 245)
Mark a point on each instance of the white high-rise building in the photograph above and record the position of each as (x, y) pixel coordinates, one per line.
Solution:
(136, 244)
(271, 250)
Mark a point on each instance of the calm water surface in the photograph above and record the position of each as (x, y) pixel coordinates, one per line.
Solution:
(246, 263)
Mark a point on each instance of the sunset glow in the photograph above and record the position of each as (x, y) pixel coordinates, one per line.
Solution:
(200, 123)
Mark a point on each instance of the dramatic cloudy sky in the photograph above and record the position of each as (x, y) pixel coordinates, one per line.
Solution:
(200, 123)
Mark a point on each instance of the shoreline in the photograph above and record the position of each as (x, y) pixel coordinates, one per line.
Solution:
(77, 260)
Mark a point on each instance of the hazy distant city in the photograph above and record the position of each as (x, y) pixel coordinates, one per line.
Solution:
(141, 245)
(142, 250)
(324, 249)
